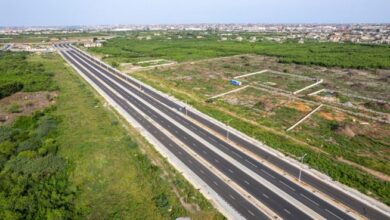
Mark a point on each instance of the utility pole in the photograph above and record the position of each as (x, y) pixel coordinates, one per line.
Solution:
(300, 171)
(227, 129)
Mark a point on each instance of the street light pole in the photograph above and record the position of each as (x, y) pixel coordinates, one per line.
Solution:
(227, 130)
(300, 171)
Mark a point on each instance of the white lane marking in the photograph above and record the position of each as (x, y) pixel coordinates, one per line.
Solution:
(185, 137)
(213, 140)
(232, 196)
(204, 152)
(170, 145)
(169, 126)
(249, 211)
(333, 214)
(193, 144)
(180, 152)
(201, 171)
(247, 183)
(251, 163)
(287, 185)
(216, 160)
(176, 132)
(215, 183)
(189, 161)
(231, 171)
(288, 212)
(224, 146)
(266, 196)
(267, 173)
(237, 154)
(310, 199)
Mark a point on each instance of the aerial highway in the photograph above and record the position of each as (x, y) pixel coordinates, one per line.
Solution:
(284, 197)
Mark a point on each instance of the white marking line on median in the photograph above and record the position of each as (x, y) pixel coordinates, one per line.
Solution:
(247, 183)
(265, 195)
(309, 199)
(333, 214)
(287, 185)
(251, 213)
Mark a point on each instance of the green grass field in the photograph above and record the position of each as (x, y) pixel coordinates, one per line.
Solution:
(115, 178)
(108, 171)
(124, 50)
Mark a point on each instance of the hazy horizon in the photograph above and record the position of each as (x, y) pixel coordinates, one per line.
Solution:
(121, 12)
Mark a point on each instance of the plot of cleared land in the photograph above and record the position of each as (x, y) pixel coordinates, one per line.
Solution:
(281, 81)
(335, 139)
(341, 98)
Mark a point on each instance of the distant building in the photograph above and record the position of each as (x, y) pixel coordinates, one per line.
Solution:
(96, 44)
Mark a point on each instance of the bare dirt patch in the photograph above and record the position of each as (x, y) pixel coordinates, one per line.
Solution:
(333, 116)
(23, 103)
(300, 106)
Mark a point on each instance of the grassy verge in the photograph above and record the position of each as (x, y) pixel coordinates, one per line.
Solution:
(109, 167)
(325, 163)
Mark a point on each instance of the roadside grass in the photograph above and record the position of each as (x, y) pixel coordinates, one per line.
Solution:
(109, 167)
(326, 163)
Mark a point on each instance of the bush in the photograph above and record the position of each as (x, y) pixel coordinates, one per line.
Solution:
(14, 108)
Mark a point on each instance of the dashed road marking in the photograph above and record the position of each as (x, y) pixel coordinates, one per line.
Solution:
(250, 163)
(310, 199)
(287, 185)
(333, 214)
(267, 173)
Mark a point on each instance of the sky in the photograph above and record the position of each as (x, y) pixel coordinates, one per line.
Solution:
(111, 12)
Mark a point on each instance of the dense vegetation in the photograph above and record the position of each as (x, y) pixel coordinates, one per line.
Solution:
(33, 178)
(311, 53)
(17, 74)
